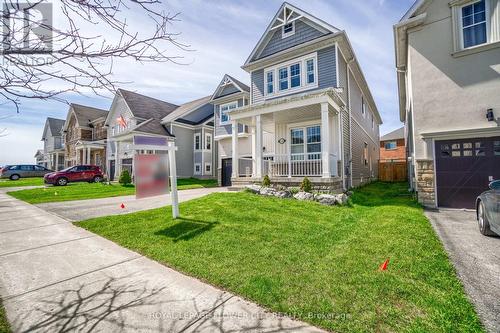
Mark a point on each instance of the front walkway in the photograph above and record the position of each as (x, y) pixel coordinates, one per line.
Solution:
(476, 259)
(85, 209)
(58, 277)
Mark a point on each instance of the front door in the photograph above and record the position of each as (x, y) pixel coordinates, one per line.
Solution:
(227, 170)
(111, 174)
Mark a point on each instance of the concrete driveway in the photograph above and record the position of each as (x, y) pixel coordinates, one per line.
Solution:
(56, 277)
(85, 209)
(476, 259)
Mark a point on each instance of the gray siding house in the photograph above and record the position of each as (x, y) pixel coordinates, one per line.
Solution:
(308, 110)
(447, 58)
(53, 146)
(189, 125)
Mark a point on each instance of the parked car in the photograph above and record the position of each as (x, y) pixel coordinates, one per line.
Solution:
(78, 173)
(14, 172)
(488, 210)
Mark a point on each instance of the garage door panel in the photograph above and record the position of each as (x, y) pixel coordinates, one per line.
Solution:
(464, 168)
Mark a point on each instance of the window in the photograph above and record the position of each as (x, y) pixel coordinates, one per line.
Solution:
(26, 167)
(224, 109)
(208, 141)
(310, 148)
(310, 71)
(496, 148)
(295, 75)
(363, 107)
(365, 154)
(474, 24)
(197, 168)
(39, 168)
(197, 141)
(288, 29)
(283, 72)
(480, 149)
(373, 122)
(389, 145)
(270, 82)
(208, 168)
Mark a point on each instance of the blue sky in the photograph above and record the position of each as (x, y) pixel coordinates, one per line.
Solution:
(221, 35)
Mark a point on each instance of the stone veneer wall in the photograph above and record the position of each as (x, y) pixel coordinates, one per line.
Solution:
(425, 183)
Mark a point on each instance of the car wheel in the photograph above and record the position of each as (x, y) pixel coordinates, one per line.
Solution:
(97, 179)
(482, 220)
(14, 177)
(62, 182)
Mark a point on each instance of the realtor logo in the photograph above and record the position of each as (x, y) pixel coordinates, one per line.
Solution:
(27, 28)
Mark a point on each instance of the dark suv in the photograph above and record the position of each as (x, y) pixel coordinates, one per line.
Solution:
(78, 173)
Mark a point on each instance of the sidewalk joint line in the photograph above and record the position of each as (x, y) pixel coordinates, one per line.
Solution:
(47, 245)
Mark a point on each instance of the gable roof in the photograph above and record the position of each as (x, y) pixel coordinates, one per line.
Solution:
(394, 135)
(225, 82)
(38, 152)
(152, 126)
(146, 107)
(186, 108)
(280, 19)
(55, 125)
(86, 114)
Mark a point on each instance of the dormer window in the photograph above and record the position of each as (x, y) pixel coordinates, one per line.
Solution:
(288, 29)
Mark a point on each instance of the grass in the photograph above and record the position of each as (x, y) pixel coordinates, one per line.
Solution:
(83, 191)
(4, 324)
(21, 182)
(316, 263)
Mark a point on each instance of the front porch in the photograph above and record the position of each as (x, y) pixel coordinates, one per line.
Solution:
(91, 152)
(292, 137)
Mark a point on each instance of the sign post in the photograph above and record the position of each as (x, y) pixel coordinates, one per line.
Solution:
(162, 144)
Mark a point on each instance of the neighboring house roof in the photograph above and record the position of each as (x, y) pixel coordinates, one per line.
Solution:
(394, 135)
(39, 152)
(152, 126)
(146, 107)
(278, 21)
(227, 81)
(84, 114)
(55, 125)
(186, 108)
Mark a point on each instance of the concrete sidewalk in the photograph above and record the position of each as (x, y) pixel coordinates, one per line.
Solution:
(57, 277)
(86, 209)
(476, 259)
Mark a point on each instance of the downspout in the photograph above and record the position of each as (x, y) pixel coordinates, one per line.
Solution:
(348, 70)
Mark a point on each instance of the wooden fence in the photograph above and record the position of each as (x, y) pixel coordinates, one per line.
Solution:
(393, 171)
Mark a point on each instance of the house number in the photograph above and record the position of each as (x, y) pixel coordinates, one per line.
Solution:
(281, 141)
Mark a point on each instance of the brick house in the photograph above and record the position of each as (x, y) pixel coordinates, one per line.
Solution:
(392, 146)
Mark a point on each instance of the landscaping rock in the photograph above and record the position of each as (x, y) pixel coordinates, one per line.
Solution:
(304, 196)
(268, 191)
(341, 199)
(253, 188)
(326, 199)
(283, 194)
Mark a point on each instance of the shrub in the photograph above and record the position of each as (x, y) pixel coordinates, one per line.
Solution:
(306, 185)
(125, 178)
(266, 182)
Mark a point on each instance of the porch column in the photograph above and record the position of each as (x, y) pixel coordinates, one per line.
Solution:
(57, 161)
(325, 140)
(117, 160)
(88, 155)
(234, 133)
(254, 154)
(258, 145)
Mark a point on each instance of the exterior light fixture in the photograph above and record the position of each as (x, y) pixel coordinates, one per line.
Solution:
(489, 115)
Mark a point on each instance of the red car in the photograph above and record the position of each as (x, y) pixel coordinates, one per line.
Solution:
(78, 173)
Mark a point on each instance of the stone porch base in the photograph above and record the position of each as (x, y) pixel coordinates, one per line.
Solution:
(425, 183)
(333, 184)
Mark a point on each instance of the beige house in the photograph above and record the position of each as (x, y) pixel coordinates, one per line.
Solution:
(448, 69)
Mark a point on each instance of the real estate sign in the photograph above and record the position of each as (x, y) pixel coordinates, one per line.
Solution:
(151, 175)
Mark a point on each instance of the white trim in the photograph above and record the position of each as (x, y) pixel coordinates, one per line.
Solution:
(194, 142)
(194, 169)
(459, 21)
(228, 121)
(302, 61)
(290, 33)
(205, 172)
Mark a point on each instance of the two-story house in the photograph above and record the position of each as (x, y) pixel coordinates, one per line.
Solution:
(448, 70)
(53, 146)
(133, 117)
(392, 146)
(308, 111)
(85, 136)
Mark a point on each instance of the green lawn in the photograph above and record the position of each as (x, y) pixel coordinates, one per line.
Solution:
(4, 324)
(82, 191)
(21, 182)
(317, 263)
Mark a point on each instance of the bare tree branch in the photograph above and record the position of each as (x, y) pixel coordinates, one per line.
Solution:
(41, 61)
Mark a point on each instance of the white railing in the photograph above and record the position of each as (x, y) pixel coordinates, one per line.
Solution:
(298, 165)
(245, 167)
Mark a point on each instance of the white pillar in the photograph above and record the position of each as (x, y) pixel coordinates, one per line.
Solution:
(57, 161)
(117, 160)
(258, 144)
(88, 155)
(234, 133)
(325, 139)
(254, 152)
(173, 181)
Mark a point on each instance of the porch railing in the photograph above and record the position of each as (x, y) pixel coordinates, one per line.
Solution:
(294, 166)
